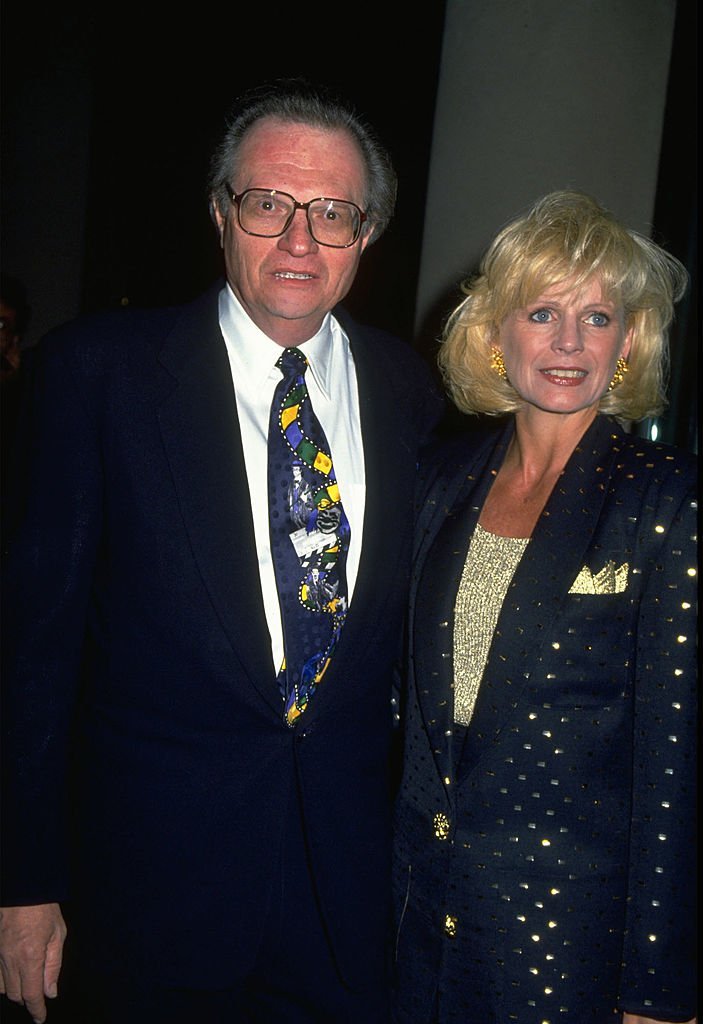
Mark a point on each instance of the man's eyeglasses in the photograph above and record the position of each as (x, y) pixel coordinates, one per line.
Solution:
(268, 213)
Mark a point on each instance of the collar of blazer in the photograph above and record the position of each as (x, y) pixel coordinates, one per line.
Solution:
(553, 558)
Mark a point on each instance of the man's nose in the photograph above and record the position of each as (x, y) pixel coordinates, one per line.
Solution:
(297, 239)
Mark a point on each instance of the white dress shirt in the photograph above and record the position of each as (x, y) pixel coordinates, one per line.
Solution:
(331, 383)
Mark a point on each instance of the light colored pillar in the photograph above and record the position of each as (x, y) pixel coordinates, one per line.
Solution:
(537, 95)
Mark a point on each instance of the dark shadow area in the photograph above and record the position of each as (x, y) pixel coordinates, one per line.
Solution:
(159, 85)
(676, 224)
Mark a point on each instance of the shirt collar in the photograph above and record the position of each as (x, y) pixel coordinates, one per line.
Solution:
(255, 354)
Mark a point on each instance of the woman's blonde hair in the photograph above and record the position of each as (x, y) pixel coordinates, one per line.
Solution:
(566, 235)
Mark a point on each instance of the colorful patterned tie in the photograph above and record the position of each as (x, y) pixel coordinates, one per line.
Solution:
(309, 537)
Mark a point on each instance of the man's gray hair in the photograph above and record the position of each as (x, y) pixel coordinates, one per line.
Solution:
(298, 101)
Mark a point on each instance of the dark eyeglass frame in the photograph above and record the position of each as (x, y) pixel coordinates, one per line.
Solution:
(236, 198)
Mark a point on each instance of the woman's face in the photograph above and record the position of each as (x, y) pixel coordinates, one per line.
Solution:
(560, 351)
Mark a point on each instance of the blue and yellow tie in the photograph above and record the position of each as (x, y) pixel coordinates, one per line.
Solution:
(309, 537)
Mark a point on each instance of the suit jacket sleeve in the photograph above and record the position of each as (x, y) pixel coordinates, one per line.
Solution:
(659, 961)
(47, 577)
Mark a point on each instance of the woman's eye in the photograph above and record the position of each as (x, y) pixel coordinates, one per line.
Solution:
(541, 316)
(598, 319)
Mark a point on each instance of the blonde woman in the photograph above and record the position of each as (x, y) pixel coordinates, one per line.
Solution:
(544, 860)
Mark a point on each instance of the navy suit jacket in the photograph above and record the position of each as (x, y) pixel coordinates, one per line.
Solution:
(548, 849)
(138, 656)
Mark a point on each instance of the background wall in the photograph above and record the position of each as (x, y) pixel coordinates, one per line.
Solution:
(108, 123)
(534, 97)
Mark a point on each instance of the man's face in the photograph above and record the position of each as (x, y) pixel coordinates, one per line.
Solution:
(287, 284)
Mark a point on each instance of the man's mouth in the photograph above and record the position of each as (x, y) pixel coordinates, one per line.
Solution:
(289, 275)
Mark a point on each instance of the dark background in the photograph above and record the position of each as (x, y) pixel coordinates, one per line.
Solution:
(676, 222)
(159, 85)
(142, 90)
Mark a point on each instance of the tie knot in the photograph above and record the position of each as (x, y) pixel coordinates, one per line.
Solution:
(292, 361)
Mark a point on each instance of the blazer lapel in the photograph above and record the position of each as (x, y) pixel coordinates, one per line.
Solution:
(202, 439)
(552, 560)
(433, 617)
(450, 515)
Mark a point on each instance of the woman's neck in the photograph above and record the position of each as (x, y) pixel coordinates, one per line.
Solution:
(536, 457)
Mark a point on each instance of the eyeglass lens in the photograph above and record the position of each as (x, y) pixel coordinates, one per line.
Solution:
(331, 221)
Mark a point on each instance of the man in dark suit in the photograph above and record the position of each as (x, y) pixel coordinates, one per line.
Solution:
(216, 856)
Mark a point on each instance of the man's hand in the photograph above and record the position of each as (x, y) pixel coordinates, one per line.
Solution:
(31, 947)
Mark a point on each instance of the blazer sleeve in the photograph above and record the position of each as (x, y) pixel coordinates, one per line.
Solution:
(659, 962)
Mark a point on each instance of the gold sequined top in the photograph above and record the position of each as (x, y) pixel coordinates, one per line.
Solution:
(490, 564)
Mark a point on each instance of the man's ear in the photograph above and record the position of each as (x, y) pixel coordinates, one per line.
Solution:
(366, 236)
(218, 220)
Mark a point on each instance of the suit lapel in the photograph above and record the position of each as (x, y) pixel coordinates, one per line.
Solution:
(380, 436)
(387, 481)
(202, 439)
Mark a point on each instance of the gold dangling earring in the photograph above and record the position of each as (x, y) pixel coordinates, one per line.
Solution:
(497, 362)
(621, 369)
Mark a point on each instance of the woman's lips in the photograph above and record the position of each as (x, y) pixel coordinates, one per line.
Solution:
(567, 376)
